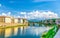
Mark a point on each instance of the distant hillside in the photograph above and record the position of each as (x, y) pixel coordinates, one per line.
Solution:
(38, 20)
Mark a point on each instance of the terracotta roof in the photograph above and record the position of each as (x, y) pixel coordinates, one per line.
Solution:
(22, 18)
(5, 16)
(11, 17)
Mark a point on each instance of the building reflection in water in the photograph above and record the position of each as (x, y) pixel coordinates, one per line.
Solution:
(21, 31)
(7, 32)
(2, 33)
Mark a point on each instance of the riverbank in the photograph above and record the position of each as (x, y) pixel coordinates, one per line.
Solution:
(51, 33)
(12, 26)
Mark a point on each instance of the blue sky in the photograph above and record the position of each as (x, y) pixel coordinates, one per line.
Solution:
(15, 7)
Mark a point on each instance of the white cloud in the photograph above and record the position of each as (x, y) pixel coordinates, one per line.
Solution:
(42, 0)
(18, 16)
(0, 5)
(3, 14)
(37, 14)
(6, 14)
(34, 15)
(9, 13)
(11, 1)
(22, 12)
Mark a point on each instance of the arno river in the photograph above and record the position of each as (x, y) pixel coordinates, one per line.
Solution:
(23, 32)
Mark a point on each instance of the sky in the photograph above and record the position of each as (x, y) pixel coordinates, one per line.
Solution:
(30, 9)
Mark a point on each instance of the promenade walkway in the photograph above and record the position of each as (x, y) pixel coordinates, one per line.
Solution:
(58, 34)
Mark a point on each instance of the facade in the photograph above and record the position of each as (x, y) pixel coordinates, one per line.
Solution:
(15, 20)
(20, 20)
(5, 19)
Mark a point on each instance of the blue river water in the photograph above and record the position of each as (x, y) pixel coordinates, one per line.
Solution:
(29, 32)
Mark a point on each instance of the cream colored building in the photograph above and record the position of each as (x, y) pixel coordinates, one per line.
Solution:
(20, 20)
(15, 20)
(5, 19)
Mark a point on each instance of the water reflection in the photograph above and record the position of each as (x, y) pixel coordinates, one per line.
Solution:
(22, 32)
(36, 30)
(2, 33)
